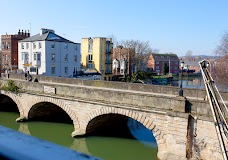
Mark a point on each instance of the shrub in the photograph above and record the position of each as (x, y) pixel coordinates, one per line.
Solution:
(11, 87)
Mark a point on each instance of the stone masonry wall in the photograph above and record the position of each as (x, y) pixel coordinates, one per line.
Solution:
(188, 92)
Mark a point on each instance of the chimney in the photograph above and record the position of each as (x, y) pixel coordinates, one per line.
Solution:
(19, 32)
(22, 33)
(28, 34)
(25, 33)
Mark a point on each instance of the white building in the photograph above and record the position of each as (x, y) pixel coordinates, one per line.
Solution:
(49, 54)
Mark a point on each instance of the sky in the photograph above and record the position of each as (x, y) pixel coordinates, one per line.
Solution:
(175, 26)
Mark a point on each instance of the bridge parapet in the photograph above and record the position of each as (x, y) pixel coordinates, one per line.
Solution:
(130, 98)
(188, 92)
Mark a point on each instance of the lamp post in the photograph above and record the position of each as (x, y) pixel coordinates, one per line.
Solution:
(181, 90)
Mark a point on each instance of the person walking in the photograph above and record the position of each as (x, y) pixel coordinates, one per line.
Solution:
(26, 75)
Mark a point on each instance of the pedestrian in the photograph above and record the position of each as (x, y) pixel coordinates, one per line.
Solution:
(26, 75)
(29, 77)
(36, 79)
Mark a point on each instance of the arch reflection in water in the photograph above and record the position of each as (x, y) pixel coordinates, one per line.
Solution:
(8, 105)
(108, 148)
(115, 136)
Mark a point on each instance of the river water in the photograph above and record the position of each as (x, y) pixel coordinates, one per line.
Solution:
(144, 147)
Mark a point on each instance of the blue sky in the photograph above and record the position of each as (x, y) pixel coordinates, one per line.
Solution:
(170, 26)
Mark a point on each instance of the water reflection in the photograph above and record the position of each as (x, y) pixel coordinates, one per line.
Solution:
(108, 148)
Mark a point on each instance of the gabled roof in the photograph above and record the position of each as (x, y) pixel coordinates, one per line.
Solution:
(49, 36)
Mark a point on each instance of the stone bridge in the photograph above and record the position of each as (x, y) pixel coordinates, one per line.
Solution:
(182, 127)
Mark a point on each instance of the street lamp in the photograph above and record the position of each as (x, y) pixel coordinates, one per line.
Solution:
(181, 90)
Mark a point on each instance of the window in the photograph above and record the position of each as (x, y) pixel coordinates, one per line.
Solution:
(6, 58)
(108, 60)
(108, 47)
(90, 46)
(34, 56)
(27, 46)
(157, 67)
(53, 57)
(40, 45)
(90, 66)
(76, 47)
(8, 45)
(90, 57)
(66, 57)
(53, 45)
(66, 70)
(22, 46)
(26, 56)
(34, 45)
(32, 69)
(52, 70)
(75, 58)
(157, 62)
(66, 46)
(38, 56)
(108, 69)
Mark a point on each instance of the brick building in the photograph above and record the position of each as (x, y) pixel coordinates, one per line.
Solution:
(122, 56)
(9, 58)
(161, 62)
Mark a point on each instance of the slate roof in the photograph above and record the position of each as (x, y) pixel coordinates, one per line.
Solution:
(165, 57)
(49, 36)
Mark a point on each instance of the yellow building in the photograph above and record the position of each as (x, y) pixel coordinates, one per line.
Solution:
(96, 54)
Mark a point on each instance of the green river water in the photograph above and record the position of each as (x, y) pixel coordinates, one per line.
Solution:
(107, 148)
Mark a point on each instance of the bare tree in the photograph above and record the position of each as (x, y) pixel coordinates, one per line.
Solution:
(140, 53)
(189, 54)
(220, 69)
(222, 49)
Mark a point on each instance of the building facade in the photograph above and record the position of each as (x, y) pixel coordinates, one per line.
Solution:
(96, 54)
(9, 46)
(163, 63)
(122, 58)
(49, 54)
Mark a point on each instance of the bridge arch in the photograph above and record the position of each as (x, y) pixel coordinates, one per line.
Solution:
(15, 98)
(56, 102)
(141, 118)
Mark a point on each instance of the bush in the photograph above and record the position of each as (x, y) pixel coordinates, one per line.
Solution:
(11, 87)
